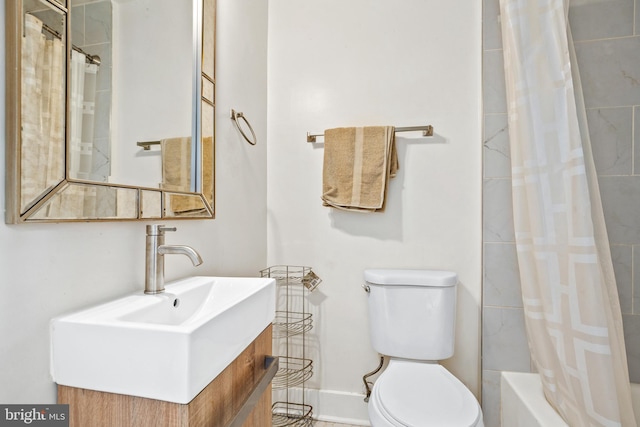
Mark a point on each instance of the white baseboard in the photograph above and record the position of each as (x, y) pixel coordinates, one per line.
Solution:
(336, 406)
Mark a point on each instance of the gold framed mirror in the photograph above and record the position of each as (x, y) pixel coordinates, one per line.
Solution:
(110, 110)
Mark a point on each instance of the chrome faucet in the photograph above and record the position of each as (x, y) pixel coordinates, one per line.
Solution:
(155, 252)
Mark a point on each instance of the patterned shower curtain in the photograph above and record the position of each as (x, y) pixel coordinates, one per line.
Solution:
(572, 312)
(42, 165)
(82, 116)
(80, 201)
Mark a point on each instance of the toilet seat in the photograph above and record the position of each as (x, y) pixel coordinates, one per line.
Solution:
(418, 394)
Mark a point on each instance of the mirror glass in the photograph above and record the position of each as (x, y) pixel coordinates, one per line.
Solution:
(116, 110)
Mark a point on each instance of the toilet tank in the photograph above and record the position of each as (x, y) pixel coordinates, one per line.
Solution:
(412, 312)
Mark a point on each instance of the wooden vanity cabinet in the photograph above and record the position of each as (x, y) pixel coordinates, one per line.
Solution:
(215, 406)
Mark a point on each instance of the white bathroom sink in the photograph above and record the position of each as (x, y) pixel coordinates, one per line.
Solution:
(167, 346)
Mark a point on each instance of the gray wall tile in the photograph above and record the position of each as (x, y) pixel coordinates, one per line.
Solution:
(504, 340)
(98, 22)
(601, 19)
(491, 398)
(610, 131)
(77, 25)
(636, 139)
(621, 204)
(636, 280)
(101, 161)
(501, 281)
(493, 85)
(610, 72)
(497, 213)
(632, 342)
(496, 153)
(623, 267)
(491, 31)
(637, 32)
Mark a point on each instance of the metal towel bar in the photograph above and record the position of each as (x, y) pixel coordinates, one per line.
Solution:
(427, 130)
(146, 145)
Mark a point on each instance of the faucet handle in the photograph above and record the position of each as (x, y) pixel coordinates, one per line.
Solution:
(158, 230)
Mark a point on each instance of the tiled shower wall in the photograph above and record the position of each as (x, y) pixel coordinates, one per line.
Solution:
(607, 41)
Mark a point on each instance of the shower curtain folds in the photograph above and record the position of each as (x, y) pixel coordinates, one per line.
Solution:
(81, 116)
(42, 112)
(570, 299)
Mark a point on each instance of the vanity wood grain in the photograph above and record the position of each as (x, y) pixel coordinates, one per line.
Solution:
(215, 406)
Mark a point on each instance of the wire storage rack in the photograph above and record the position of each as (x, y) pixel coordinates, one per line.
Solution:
(291, 324)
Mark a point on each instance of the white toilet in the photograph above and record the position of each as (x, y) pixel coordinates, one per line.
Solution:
(412, 318)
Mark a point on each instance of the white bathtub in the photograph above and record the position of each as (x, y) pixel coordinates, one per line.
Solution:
(524, 404)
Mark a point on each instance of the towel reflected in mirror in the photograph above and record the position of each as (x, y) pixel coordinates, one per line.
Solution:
(176, 174)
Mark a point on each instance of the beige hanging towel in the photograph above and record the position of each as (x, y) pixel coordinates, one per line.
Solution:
(176, 163)
(358, 162)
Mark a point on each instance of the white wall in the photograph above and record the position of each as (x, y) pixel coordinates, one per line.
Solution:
(331, 63)
(49, 269)
(335, 63)
(152, 86)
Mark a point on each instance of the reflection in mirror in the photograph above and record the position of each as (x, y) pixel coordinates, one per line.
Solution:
(207, 150)
(80, 201)
(43, 112)
(150, 204)
(207, 103)
(138, 92)
(77, 108)
(91, 90)
(153, 94)
(183, 205)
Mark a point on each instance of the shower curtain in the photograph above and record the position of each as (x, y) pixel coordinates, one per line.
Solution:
(570, 299)
(80, 201)
(82, 115)
(42, 164)
(43, 124)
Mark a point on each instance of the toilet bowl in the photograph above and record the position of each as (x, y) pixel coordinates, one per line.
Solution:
(417, 394)
(412, 319)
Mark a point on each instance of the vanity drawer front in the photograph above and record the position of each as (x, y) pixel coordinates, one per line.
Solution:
(216, 406)
(220, 401)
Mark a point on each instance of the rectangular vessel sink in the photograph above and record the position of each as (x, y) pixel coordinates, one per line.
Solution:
(166, 346)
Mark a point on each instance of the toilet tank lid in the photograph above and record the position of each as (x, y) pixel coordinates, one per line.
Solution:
(430, 278)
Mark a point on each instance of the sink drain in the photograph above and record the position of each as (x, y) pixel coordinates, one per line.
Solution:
(176, 302)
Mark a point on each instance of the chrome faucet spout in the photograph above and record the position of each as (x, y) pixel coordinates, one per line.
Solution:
(155, 252)
(194, 256)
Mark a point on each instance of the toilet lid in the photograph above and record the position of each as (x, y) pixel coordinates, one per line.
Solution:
(411, 393)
